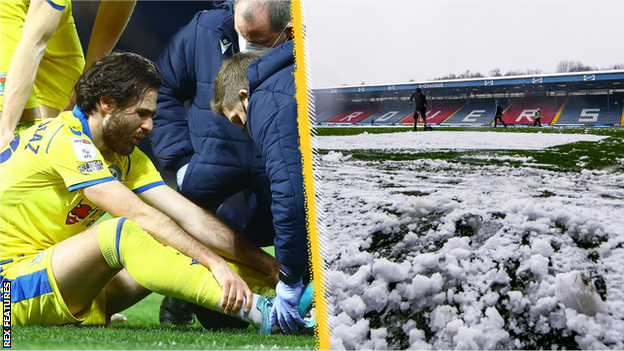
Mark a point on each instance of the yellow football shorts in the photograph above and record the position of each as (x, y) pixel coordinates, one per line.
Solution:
(62, 63)
(36, 299)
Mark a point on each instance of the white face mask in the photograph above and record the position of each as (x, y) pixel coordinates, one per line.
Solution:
(257, 48)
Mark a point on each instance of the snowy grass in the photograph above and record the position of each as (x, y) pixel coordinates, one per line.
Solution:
(606, 153)
(433, 248)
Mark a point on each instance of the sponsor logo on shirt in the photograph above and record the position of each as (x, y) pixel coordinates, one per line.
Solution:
(83, 149)
(78, 213)
(91, 167)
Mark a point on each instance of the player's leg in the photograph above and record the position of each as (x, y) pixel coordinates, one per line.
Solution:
(48, 112)
(122, 292)
(80, 270)
(11, 22)
(61, 66)
(259, 230)
(164, 270)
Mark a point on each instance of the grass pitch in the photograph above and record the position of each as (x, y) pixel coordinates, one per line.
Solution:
(607, 154)
(143, 332)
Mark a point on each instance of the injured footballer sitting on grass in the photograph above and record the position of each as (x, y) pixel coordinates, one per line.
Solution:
(61, 175)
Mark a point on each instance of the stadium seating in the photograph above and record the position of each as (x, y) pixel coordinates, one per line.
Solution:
(326, 114)
(355, 115)
(522, 110)
(389, 115)
(562, 110)
(475, 112)
(438, 111)
(592, 110)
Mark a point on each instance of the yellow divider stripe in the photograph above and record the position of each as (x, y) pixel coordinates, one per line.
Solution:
(452, 114)
(307, 155)
(558, 112)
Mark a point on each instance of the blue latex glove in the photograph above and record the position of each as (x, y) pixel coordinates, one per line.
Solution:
(286, 307)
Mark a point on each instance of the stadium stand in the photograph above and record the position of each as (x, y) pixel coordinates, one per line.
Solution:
(328, 114)
(522, 110)
(577, 98)
(438, 111)
(592, 110)
(476, 112)
(389, 115)
(355, 115)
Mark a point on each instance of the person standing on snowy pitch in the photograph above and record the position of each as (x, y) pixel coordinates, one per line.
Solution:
(420, 107)
(260, 97)
(498, 115)
(217, 167)
(538, 118)
(62, 175)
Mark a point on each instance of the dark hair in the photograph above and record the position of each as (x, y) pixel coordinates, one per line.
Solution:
(123, 77)
(230, 79)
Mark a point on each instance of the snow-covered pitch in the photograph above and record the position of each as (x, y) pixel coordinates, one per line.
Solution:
(428, 254)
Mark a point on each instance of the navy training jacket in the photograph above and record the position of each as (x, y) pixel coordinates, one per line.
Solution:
(272, 123)
(222, 160)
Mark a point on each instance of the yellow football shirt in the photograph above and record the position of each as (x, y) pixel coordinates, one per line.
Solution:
(43, 172)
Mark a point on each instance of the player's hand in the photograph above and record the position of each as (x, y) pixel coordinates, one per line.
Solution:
(286, 307)
(235, 290)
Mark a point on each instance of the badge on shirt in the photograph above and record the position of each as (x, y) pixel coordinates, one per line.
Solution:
(116, 172)
(84, 149)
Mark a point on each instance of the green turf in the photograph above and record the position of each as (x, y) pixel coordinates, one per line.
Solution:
(143, 332)
(607, 154)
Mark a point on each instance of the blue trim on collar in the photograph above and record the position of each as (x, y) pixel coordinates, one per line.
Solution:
(129, 164)
(83, 119)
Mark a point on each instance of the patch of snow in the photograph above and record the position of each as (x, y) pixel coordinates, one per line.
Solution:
(479, 259)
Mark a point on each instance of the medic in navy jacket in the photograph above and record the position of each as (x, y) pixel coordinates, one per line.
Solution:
(272, 123)
(221, 160)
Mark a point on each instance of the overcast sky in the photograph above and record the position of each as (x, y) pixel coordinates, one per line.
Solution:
(393, 41)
